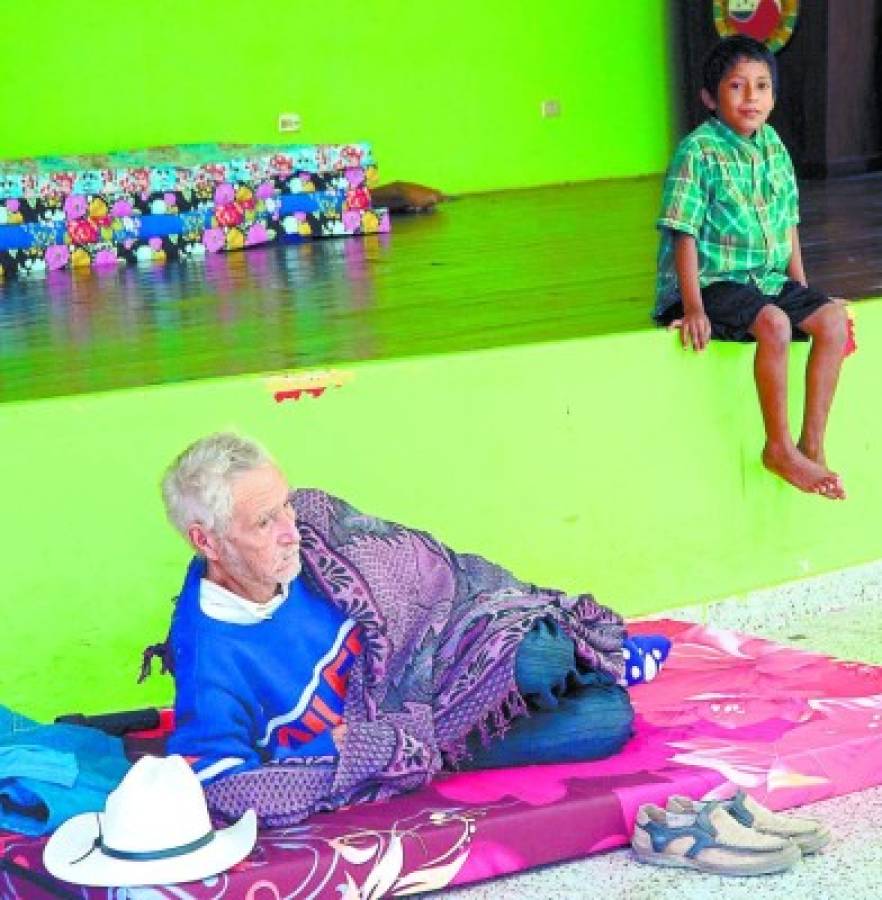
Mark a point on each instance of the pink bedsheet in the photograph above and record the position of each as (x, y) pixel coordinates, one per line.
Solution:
(728, 711)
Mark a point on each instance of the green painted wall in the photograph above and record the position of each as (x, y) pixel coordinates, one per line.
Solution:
(619, 464)
(449, 93)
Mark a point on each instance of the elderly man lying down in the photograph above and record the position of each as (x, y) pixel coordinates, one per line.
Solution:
(322, 656)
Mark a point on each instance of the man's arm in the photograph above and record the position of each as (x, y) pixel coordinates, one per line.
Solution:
(795, 268)
(216, 737)
(695, 327)
(214, 734)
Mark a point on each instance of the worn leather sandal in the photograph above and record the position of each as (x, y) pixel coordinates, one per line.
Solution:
(809, 834)
(709, 840)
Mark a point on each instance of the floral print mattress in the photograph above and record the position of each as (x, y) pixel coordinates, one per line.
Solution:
(172, 168)
(180, 202)
(728, 711)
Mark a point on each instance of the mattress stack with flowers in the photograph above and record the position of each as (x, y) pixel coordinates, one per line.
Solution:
(180, 202)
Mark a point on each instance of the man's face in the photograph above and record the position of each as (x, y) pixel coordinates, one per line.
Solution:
(261, 547)
(745, 97)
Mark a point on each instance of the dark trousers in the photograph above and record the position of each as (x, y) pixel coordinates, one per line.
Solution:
(575, 715)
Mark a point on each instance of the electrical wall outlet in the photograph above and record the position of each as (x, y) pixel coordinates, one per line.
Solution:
(289, 122)
(550, 109)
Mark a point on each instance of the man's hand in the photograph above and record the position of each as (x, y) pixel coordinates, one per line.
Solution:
(695, 329)
(338, 734)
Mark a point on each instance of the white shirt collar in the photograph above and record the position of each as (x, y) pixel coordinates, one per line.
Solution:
(225, 606)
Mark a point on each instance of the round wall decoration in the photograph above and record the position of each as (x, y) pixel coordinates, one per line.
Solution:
(769, 21)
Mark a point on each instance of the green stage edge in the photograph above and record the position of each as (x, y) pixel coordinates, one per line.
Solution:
(620, 465)
(448, 93)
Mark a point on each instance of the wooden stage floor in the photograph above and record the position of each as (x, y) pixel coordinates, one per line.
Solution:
(482, 271)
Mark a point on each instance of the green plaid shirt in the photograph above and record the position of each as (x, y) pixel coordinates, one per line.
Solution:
(738, 198)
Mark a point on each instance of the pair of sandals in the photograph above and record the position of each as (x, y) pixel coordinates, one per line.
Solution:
(734, 837)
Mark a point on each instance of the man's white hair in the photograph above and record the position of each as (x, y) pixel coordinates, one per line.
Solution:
(198, 485)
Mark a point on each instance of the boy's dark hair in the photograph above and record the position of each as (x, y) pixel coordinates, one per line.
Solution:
(727, 52)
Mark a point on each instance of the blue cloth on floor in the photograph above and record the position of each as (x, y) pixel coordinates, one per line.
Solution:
(49, 773)
(575, 715)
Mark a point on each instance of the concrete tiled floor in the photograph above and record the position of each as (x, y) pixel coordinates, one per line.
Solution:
(838, 614)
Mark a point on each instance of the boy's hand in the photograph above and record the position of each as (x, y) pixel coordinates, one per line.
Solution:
(695, 329)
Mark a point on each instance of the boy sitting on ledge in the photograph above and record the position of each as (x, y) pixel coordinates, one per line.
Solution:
(730, 265)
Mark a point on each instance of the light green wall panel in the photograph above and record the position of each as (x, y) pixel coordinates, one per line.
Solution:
(621, 465)
(449, 93)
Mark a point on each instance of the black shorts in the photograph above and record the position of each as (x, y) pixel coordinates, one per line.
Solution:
(732, 308)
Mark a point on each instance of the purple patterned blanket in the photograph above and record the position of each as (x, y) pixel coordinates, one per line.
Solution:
(441, 631)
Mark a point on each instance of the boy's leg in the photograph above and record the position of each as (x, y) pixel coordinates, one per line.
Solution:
(828, 328)
(772, 331)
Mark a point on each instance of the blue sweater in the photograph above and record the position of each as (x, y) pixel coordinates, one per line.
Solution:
(247, 694)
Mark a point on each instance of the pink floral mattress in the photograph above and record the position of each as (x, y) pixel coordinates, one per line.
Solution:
(728, 711)
(180, 203)
(172, 168)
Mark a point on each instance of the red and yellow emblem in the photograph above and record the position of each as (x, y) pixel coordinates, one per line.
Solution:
(769, 21)
(311, 383)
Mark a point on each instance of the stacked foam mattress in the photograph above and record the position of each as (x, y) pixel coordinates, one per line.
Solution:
(180, 202)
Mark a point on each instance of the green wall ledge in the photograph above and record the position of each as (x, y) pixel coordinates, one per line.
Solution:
(620, 465)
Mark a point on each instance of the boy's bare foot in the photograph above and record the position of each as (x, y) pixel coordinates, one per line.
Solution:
(837, 491)
(815, 454)
(803, 473)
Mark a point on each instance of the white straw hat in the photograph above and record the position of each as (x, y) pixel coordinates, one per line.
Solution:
(154, 829)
